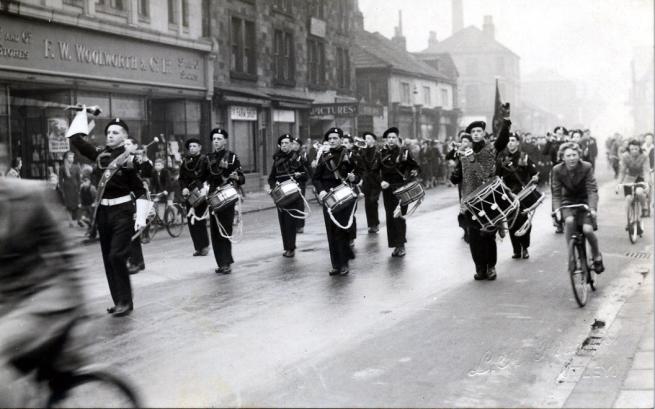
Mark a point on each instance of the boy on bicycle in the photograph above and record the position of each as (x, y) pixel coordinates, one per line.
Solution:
(573, 182)
(635, 166)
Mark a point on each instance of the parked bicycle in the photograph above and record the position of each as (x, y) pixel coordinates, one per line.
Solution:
(171, 217)
(580, 266)
(634, 209)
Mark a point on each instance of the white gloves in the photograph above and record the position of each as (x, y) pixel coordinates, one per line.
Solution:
(143, 207)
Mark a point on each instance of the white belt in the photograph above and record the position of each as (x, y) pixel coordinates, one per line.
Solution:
(116, 201)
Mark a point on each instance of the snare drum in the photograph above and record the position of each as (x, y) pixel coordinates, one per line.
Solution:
(196, 198)
(340, 197)
(491, 204)
(529, 198)
(223, 197)
(409, 193)
(285, 193)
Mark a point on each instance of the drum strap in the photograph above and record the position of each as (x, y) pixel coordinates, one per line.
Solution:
(351, 218)
(235, 237)
(398, 210)
(191, 215)
(298, 214)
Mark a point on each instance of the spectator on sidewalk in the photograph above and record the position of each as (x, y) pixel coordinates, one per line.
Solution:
(70, 178)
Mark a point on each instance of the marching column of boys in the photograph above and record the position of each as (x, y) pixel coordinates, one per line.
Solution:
(222, 168)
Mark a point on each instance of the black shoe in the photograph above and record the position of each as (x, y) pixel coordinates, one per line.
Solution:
(300, 230)
(399, 252)
(491, 273)
(223, 270)
(525, 254)
(480, 274)
(123, 310)
(202, 252)
(334, 272)
(373, 229)
(344, 271)
(599, 267)
(516, 255)
(289, 253)
(135, 268)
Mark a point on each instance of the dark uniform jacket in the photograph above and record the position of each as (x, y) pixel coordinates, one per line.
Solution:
(285, 165)
(219, 167)
(124, 181)
(192, 171)
(369, 164)
(516, 169)
(395, 165)
(575, 186)
(333, 168)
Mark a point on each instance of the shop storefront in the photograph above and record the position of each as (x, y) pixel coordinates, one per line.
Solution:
(158, 90)
(325, 116)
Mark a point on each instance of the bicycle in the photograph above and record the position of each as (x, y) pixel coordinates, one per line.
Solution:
(580, 265)
(634, 227)
(173, 219)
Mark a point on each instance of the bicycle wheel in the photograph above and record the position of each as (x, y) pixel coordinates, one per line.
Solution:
(95, 389)
(633, 223)
(578, 273)
(174, 221)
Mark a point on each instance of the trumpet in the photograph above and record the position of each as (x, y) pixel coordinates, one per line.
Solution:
(359, 142)
(93, 110)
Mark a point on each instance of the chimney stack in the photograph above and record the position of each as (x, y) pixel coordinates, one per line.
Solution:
(398, 37)
(457, 10)
(488, 27)
(432, 41)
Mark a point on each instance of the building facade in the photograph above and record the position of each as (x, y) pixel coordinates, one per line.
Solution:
(283, 66)
(480, 60)
(145, 61)
(397, 89)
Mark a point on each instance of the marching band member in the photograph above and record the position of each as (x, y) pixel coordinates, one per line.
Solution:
(296, 146)
(287, 164)
(478, 166)
(115, 211)
(396, 165)
(517, 170)
(223, 167)
(348, 142)
(192, 174)
(333, 168)
(370, 164)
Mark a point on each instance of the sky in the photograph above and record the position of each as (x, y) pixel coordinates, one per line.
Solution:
(589, 41)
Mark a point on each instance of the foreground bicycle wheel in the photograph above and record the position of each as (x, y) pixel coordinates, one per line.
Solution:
(95, 389)
(578, 273)
(174, 221)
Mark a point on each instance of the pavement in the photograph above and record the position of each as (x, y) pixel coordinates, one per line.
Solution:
(411, 332)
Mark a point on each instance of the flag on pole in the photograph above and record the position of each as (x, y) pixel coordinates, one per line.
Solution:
(497, 122)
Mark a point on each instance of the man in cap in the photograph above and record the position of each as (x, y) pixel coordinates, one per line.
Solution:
(370, 165)
(115, 212)
(192, 175)
(297, 147)
(332, 170)
(478, 168)
(396, 166)
(287, 164)
(222, 168)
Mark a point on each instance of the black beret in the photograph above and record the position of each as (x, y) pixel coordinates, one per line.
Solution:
(465, 135)
(476, 124)
(369, 133)
(190, 141)
(393, 129)
(297, 139)
(331, 131)
(516, 135)
(284, 136)
(219, 131)
(119, 122)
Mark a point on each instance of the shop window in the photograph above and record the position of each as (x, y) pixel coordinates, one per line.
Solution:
(343, 68)
(143, 8)
(243, 49)
(282, 6)
(316, 62)
(404, 93)
(244, 144)
(427, 97)
(317, 9)
(74, 3)
(283, 61)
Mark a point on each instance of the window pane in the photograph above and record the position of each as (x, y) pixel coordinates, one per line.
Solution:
(185, 13)
(249, 51)
(172, 11)
(236, 41)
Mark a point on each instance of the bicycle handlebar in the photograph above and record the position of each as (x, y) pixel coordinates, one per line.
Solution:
(573, 206)
(643, 184)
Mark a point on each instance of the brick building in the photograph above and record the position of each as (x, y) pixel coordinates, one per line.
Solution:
(144, 61)
(283, 66)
